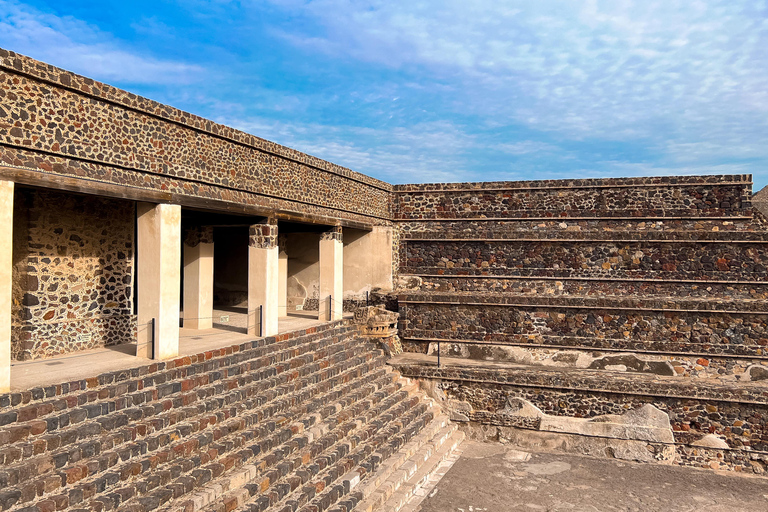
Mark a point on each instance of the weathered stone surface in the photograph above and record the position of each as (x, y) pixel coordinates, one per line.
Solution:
(711, 441)
(631, 362)
(755, 372)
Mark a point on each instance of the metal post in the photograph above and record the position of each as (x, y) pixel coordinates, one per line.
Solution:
(330, 308)
(154, 337)
(261, 320)
(367, 298)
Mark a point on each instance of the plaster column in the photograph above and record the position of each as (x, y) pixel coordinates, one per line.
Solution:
(282, 270)
(198, 278)
(331, 275)
(158, 279)
(263, 277)
(6, 271)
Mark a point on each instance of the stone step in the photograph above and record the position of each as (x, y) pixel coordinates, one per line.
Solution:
(687, 346)
(305, 417)
(152, 430)
(327, 467)
(399, 478)
(699, 305)
(420, 366)
(410, 493)
(326, 434)
(212, 414)
(394, 432)
(233, 452)
(179, 429)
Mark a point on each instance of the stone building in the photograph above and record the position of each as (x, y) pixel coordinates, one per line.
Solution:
(104, 189)
(618, 317)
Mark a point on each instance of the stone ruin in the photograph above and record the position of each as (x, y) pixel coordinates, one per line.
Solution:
(377, 323)
(621, 317)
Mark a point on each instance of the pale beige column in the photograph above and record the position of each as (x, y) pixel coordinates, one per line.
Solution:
(331, 283)
(282, 271)
(158, 279)
(6, 271)
(263, 277)
(198, 278)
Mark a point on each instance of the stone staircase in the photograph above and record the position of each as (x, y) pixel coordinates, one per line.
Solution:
(311, 420)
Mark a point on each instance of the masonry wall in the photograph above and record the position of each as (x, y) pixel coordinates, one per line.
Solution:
(73, 269)
(57, 128)
(598, 290)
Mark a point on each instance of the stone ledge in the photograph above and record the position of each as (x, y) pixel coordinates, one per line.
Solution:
(581, 183)
(418, 366)
(672, 304)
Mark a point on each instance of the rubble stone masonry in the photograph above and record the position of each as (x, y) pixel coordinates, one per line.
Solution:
(55, 122)
(73, 266)
(582, 297)
(591, 297)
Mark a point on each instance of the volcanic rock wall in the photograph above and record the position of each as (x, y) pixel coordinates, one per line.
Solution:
(60, 124)
(73, 270)
(596, 295)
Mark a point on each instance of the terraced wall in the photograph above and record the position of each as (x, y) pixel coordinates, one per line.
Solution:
(590, 297)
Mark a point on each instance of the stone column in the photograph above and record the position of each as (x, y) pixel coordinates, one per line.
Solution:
(263, 277)
(6, 276)
(158, 279)
(282, 270)
(198, 278)
(331, 275)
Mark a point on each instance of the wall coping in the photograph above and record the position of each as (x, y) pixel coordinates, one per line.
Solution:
(587, 183)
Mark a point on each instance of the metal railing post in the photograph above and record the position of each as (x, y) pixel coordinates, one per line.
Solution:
(261, 320)
(154, 338)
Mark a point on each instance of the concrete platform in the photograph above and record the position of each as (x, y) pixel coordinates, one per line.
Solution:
(65, 368)
(499, 478)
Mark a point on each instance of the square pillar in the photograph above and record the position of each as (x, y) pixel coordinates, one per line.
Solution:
(198, 278)
(263, 277)
(158, 279)
(282, 270)
(6, 277)
(331, 275)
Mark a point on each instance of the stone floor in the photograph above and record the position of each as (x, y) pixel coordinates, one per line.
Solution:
(65, 368)
(498, 478)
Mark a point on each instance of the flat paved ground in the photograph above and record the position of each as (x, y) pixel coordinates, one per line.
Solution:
(498, 478)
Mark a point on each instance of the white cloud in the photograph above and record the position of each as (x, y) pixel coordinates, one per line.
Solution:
(526, 147)
(74, 45)
(673, 74)
(425, 152)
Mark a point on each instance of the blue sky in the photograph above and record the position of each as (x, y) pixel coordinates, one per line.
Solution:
(415, 91)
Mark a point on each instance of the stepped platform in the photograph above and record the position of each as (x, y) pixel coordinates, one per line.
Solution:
(552, 302)
(310, 420)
